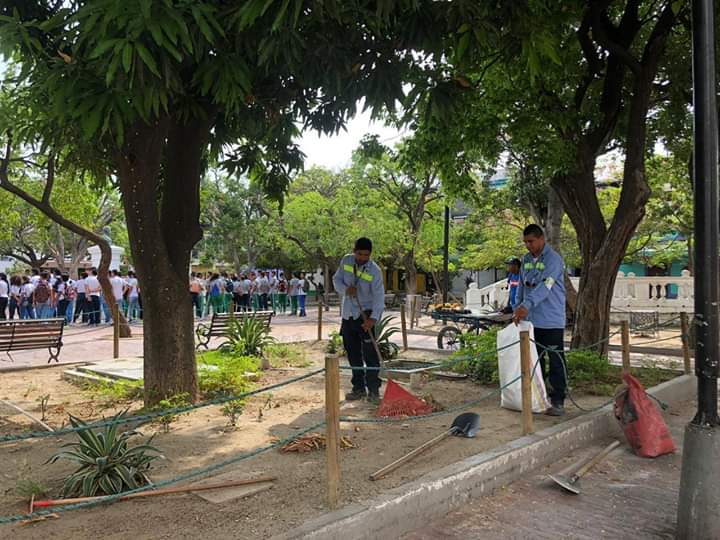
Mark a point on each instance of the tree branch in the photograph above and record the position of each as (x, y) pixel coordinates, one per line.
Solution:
(50, 182)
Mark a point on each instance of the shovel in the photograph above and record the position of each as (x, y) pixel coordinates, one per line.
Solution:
(571, 482)
(466, 425)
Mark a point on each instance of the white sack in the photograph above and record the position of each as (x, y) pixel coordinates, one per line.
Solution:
(509, 369)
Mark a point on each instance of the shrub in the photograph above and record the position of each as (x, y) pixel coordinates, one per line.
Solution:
(335, 343)
(383, 331)
(107, 464)
(477, 357)
(233, 409)
(225, 374)
(248, 337)
(115, 391)
(282, 354)
(172, 402)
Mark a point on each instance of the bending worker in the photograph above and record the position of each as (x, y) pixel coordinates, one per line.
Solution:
(541, 300)
(360, 282)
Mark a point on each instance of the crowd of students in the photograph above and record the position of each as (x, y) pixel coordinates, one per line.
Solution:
(252, 291)
(47, 294)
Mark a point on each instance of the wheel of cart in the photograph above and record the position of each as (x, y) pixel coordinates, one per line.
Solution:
(449, 338)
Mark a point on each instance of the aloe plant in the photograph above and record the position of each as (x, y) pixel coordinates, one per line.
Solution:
(248, 337)
(383, 331)
(108, 465)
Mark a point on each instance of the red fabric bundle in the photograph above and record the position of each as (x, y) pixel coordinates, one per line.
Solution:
(641, 421)
(399, 402)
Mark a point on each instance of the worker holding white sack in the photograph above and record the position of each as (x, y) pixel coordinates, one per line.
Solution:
(541, 300)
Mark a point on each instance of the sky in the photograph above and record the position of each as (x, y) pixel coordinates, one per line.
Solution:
(334, 151)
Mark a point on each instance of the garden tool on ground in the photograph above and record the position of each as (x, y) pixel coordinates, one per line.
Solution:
(466, 425)
(571, 482)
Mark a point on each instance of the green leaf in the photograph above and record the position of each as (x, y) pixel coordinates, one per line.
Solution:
(127, 57)
(203, 25)
(147, 58)
(103, 47)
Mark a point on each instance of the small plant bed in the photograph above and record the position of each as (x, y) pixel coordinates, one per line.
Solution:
(588, 372)
(212, 434)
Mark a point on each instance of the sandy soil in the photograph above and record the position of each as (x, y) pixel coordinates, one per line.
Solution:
(202, 438)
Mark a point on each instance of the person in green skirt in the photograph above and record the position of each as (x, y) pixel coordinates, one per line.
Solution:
(282, 293)
(217, 293)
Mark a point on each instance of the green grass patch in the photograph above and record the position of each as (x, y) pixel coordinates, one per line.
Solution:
(225, 374)
(115, 391)
(284, 355)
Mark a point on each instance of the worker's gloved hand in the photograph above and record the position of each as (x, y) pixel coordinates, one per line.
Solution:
(520, 313)
(351, 291)
(368, 324)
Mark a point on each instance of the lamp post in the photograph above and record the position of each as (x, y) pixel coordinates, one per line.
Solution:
(446, 256)
(699, 497)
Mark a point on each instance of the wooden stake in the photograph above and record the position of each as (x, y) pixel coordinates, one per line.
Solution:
(685, 331)
(332, 430)
(403, 326)
(526, 382)
(116, 330)
(377, 475)
(625, 328)
(320, 313)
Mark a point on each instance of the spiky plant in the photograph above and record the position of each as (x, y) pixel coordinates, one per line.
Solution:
(248, 337)
(383, 332)
(107, 464)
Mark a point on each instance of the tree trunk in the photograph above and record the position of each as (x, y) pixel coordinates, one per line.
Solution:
(104, 279)
(553, 233)
(410, 273)
(163, 226)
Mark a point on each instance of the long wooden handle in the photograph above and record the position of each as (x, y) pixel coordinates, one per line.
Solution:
(371, 331)
(594, 461)
(25, 413)
(156, 492)
(407, 457)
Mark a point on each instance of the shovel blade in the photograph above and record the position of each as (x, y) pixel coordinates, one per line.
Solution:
(466, 425)
(566, 482)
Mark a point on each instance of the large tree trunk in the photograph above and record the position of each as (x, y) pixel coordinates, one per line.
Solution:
(553, 233)
(162, 216)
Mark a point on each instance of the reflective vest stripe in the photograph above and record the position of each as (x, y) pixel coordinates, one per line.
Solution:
(362, 275)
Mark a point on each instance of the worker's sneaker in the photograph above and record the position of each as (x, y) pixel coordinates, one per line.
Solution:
(374, 398)
(355, 395)
(556, 410)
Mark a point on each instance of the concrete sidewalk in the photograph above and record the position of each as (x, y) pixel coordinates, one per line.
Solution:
(624, 497)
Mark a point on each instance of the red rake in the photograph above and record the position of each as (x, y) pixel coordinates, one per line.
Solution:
(399, 402)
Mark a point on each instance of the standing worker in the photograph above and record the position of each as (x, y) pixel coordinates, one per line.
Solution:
(541, 300)
(360, 282)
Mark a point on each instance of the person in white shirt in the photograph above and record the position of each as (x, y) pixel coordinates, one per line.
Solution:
(35, 277)
(15, 299)
(293, 294)
(4, 296)
(119, 286)
(302, 285)
(27, 311)
(82, 302)
(133, 295)
(92, 291)
(263, 290)
(273, 292)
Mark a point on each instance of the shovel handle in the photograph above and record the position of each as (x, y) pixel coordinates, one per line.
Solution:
(594, 461)
(410, 455)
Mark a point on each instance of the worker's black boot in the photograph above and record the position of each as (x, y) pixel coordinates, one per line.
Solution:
(374, 397)
(355, 395)
(557, 409)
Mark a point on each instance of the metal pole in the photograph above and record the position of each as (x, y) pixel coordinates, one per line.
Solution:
(446, 256)
(707, 219)
(699, 495)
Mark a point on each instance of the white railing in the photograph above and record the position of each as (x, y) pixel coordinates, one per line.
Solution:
(662, 294)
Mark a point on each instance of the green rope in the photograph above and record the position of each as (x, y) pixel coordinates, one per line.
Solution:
(150, 416)
(193, 474)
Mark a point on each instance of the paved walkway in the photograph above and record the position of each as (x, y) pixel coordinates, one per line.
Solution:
(83, 344)
(624, 497)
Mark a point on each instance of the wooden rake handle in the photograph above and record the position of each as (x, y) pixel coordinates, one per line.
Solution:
(410, 455)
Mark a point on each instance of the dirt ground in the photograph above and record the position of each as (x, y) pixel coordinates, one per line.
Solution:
(202, 438)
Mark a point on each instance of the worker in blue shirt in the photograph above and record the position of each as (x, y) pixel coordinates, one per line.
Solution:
(513, 280)
(541, 300)
(360, 281)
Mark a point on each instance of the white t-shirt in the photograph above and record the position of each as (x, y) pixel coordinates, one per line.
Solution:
(301, 287)
(92, 286)
(246, 286)
(80, 286)
(27, 290)
(132, 284)
(4, 289)
(34, 279)
(118, 287)
(15, 290)
(293, 287)
(263, 285)
(274, 285)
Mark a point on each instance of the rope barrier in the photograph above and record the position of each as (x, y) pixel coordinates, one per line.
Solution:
(194, 474)
(144, 418)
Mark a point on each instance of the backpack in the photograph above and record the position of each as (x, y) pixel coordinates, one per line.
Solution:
(42, 292)
(305, 285)
(282, 287)
(228, 286)
(215, 290)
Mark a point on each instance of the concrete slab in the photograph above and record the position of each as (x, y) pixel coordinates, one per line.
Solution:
(220, 496)
(128, 369)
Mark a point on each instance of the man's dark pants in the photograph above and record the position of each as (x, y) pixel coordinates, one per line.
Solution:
(95, 309)
(81, 307)
(361, 352)
(553, 338)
